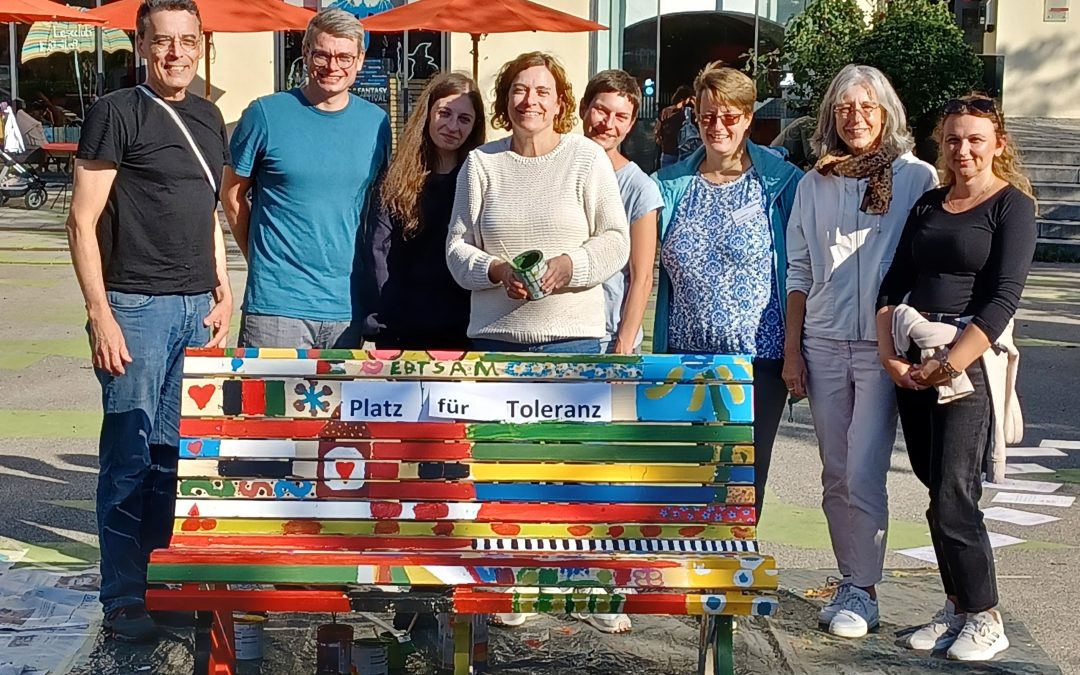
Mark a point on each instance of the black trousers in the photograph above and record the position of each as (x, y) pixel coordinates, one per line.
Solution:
(770, 395)
(947, 446)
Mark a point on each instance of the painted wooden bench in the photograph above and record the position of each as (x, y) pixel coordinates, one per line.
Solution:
(322, 481)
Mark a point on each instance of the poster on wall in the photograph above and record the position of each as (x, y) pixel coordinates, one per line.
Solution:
(373, 82)
(1057, 11)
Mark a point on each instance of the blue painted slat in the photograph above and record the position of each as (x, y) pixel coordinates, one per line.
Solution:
(595, 494)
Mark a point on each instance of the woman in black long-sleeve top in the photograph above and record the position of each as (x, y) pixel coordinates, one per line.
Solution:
(963, 258)
(411, 299)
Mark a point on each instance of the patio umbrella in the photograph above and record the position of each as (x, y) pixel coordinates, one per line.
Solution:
(478, 18)
(29, 11)
(219, 16)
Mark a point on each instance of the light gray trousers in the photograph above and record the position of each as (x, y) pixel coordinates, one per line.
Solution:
(853, 403)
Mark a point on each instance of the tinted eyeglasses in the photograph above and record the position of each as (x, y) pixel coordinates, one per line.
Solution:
(982, 106)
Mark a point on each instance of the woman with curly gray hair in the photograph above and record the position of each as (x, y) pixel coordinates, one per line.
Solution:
(847, 218)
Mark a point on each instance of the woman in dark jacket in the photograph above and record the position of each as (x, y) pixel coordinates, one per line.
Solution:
(412, 301)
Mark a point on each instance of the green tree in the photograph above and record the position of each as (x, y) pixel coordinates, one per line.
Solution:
(919, 46)
(817, 44)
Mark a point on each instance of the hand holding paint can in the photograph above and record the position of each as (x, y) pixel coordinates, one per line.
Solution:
(529, 268)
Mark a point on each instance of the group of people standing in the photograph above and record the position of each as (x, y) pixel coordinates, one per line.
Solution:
(830, 280)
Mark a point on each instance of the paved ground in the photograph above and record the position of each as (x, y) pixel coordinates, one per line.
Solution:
(48, 425)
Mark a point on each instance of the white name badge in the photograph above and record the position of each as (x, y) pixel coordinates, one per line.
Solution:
(379, 401)
(745, 214)
(519, 403)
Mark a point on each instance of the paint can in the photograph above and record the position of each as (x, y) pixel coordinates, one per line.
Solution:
(479, 640)
(333, 649)
(369, 657)
(529, 268)
(397, 649)
(248, 635)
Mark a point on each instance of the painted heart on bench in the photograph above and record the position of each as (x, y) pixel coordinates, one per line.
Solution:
(194, 447)
(345, 469)
(201, 394)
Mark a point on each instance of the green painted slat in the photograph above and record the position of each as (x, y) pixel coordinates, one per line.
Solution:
(275, 398)
(263, 574)
(697, 433)
(594, 452)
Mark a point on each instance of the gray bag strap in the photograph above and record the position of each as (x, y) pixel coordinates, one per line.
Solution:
(184, 130)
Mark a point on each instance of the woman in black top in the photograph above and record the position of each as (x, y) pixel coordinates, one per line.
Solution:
(963, 258)
(411, 299)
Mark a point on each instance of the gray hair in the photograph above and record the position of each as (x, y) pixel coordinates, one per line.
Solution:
(335, 22)
(895, 134)
(148, 7)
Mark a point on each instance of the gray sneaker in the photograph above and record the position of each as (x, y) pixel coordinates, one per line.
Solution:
(940, 632)
(857, 617)
(981, 638)
(131, 624)
(825, 616)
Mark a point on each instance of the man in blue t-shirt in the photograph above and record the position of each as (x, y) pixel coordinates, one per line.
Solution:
(310, 157)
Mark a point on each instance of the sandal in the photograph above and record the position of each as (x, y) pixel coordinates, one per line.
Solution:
(606, 623)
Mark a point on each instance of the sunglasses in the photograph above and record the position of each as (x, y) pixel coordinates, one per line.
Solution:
(956, 106)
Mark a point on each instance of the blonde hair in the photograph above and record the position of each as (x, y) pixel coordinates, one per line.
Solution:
(726, 86)
(1007, 166)
(336, 23)
(500, 119)
(895, 134)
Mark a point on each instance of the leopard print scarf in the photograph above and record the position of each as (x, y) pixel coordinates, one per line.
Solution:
(875, 165)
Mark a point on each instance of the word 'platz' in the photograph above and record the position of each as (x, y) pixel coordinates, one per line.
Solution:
(374, 401)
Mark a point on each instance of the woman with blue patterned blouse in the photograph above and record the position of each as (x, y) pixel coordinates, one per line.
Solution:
(723, 251)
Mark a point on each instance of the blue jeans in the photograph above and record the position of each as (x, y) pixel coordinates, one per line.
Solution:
(571, 346)
(140, 431)
(264, 330)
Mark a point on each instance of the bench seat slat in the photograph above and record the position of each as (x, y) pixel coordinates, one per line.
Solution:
(265, 428)
(731, 603)
(449, 491)
(287, 529)
(359, 364)
(606, 453)
(427, 543)
(322, 399)
(712, 571)
(499, 512)
(345, 467)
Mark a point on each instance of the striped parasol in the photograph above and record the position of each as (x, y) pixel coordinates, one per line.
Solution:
(56, 37)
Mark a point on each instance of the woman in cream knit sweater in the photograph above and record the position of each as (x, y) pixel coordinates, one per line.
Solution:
(539, 189)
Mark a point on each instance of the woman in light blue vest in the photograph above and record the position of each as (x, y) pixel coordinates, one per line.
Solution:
(723, 250)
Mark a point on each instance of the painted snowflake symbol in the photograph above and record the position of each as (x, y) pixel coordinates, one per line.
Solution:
(311, 400)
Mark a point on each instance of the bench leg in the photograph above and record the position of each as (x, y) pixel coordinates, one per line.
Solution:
(463, 643)
(716, 652)
(215, 650)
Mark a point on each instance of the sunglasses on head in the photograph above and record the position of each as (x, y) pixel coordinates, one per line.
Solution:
(957, 106)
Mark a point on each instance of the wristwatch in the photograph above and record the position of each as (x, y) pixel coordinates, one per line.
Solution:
(948, 368)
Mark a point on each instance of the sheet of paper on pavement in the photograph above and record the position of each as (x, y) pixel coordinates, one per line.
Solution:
(924, 553)
(1017, 517)
(1060, 445)
(1034, 452)
(1042, 486)
(1063, 501)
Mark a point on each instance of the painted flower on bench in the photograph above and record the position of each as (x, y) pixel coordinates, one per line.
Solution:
(312, 396)
(700, 389)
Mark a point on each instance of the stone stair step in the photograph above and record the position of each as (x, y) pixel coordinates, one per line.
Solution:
(1058, 210)
(1057, 250)
(1052, 173)
(1067, 192)
(1056, 156)
(1059, 229)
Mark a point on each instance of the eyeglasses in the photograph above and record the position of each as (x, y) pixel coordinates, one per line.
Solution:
(321, 59)
(727, 119)
(983, 106)
(162, 43)
(866, 109)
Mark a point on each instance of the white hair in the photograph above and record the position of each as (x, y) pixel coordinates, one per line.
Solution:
(335, 22)
(895, 134)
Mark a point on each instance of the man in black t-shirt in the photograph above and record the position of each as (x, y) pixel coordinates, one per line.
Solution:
(150, 258)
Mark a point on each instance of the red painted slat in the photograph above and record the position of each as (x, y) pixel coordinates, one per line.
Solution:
(299, 429)
(412, 490)
(186, 599)
(323, 543)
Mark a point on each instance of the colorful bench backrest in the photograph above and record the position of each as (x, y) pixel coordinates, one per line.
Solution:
(642, 454)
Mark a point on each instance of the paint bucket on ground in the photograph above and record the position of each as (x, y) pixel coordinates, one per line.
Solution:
(369, 657)
(397, 649)
(479, 640)
(529, 268)
(333, 649)
(248, 634)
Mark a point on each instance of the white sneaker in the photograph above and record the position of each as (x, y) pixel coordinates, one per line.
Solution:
(982, 636)
(857, 616)
(940, 632)
(836, 604)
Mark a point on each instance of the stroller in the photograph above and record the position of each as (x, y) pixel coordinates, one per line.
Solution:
(19, 180)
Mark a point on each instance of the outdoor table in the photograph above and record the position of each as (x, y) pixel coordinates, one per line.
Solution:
(61, 151)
